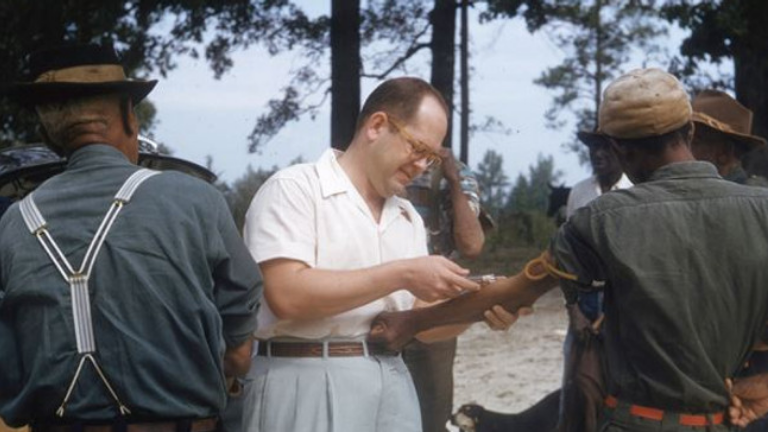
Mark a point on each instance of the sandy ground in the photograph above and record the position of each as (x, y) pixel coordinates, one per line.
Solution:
(509, 371)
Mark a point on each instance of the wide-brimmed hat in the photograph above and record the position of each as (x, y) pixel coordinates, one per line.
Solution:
(75, 71)
(644, 103)
(718, 111)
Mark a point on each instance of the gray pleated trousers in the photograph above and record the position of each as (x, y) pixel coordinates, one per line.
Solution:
(372, 393)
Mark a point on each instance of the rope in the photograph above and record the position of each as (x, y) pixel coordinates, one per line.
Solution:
(549, 270)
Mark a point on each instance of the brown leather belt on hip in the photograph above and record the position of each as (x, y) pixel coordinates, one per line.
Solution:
(705, 419)
(315, 349)
(197, 425)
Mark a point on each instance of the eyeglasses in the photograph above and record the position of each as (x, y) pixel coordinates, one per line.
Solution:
(418, 148)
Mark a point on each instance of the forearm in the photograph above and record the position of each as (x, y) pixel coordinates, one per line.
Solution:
(398, 328)
(308, 293)
(467, 232)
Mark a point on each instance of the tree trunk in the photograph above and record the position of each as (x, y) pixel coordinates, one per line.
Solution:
(751, 71)
(465, 82)
(345, 70)
(443, 46)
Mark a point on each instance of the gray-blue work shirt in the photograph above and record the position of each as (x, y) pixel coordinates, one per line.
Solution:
(171, 286)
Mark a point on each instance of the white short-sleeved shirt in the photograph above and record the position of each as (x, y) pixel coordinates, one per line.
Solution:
(587, 190)
(313, 213)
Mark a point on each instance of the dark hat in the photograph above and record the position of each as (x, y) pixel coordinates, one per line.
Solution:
(75, 71)
(718, 111)
(592, 138)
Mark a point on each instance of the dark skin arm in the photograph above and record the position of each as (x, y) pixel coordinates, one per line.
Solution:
(396, 329)
(467, 232)
(237, 361)
(749, 399)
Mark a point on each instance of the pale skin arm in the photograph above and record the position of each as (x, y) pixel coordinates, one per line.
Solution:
(468, 234)
(296, 291)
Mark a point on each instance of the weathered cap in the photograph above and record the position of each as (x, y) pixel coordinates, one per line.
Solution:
(644, 103)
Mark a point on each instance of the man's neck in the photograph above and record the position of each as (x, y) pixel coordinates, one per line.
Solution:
(353, 164)
(608, 180)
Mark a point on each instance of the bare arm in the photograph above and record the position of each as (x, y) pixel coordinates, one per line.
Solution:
(468, 234)
(296, 291)
(396, 329)
(749, 399)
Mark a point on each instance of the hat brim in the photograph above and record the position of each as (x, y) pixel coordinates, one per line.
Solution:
(591, 138)
(31, 94)
(750, 141)
(17, 183)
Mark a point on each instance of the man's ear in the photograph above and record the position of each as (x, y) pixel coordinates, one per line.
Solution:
(48, 141)
(375, 125)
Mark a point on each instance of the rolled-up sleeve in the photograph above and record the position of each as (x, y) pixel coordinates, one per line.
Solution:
(575, 255)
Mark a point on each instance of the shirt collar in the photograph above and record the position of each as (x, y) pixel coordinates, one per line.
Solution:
(95, 156)
(685, 169)
(334, 180)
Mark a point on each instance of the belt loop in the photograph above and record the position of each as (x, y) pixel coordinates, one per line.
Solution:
(670, 421)
(710, 419)
(269, 348)
(365, 349)
(325, 349)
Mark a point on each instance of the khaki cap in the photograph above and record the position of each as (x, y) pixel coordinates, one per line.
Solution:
(644, 103)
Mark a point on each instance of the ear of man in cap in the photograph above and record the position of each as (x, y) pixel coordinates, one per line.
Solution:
(75, 71)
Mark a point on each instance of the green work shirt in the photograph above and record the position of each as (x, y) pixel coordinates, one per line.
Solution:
(172, 284)
(683, 261)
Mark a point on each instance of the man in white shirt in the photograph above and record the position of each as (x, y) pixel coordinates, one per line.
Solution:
(337, 246)
(607, 174)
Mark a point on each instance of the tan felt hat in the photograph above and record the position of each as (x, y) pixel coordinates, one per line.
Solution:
(718, 111)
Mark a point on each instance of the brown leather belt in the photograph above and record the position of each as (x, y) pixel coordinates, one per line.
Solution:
(705, 419)
(315, 349)
(198, 425)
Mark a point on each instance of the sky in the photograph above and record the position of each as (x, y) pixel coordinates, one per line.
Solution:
(200, 116)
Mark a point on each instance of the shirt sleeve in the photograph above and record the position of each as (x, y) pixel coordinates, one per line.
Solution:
(280, 223)
(575, 255)
(470, 187)
(238, 283)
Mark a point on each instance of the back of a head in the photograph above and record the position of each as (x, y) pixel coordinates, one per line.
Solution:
(78, 88)
(399, 97)
(64, 122)
(644, 106)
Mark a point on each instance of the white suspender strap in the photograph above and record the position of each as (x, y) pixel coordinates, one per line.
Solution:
(132, 183)
(78, 281)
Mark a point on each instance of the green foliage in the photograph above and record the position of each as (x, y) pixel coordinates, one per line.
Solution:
(139, 30)
(520, 214)
(722, 29)
(240, 194)
(493, 182)
(532, 193)
(598, 38)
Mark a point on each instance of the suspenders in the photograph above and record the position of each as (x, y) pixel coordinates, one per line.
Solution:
(78, 279)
